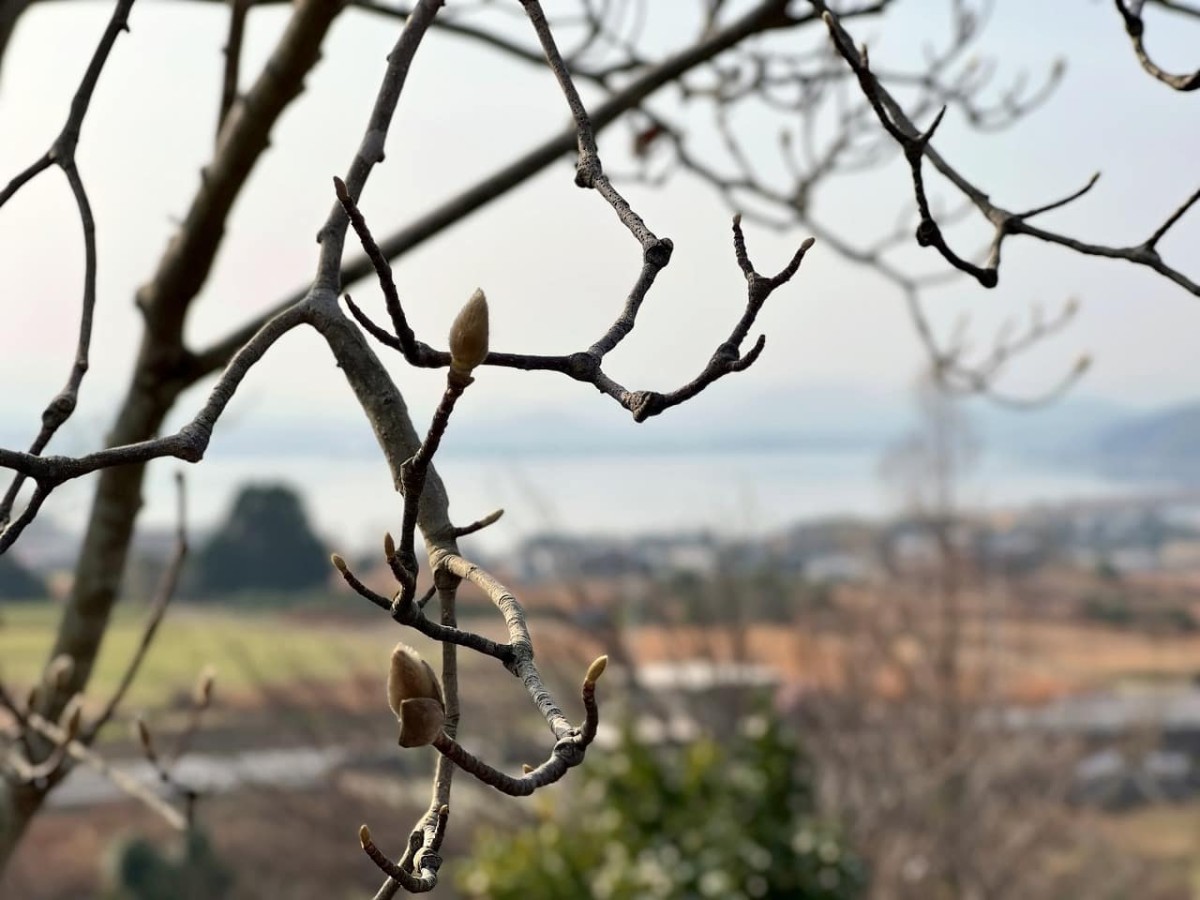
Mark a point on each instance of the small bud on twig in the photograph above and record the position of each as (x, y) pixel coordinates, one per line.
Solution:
(389, 545)
(469, 335)
(204, 688)
(526, 768)
(338, 563)
(364, 835)
(143, 733)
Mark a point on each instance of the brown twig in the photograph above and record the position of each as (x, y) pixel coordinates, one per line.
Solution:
(585, 366)
(62, 154)
(1005, 223)
(1135, 27)
(233, 59)
(568, 751)
(163, 595)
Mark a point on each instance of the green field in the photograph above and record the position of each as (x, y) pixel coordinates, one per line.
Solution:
(246, 651)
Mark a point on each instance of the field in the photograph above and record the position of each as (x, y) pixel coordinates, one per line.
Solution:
(247, 651)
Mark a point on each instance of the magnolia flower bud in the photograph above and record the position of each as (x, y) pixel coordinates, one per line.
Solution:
(415, 697)
(469, 335)
(421, 721)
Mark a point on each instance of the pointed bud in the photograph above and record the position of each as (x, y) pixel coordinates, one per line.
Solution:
(469, 335)
(410, 678)
(204, 688)
(595, 670)
(364, 835)
(526, 768)
(143, 733)
(389, 545)
(338, 563)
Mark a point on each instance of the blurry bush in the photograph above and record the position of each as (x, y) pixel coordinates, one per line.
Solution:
(143, 871)
(706, 819)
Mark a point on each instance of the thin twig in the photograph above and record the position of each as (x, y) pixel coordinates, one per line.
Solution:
(163, 595)
(62, 154)
(233, 59)
(1135, 27)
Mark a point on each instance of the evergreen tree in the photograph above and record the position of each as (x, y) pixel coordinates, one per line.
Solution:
(265, 544)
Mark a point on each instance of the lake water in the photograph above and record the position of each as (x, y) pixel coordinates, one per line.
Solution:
(352, 503)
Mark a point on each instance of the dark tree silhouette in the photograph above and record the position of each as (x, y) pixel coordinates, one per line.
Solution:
(265, 544)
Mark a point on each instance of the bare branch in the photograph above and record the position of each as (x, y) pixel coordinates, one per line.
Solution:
(62, 154)
(233, 59)
(163, 595)
(131, 786)
(916, 147)
(1135, 27)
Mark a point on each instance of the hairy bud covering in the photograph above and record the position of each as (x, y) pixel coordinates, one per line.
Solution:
(415, 697)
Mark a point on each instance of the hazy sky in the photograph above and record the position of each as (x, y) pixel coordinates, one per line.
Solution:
(552, 259)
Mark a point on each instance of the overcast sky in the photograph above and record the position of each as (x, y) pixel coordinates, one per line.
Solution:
(552, 259)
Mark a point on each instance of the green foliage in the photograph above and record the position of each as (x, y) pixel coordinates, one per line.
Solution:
(265, 545)
(733, 820)
(144, 872)
(17, 582)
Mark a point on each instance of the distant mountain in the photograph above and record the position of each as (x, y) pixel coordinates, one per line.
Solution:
(1060, 434)
(1161, 446)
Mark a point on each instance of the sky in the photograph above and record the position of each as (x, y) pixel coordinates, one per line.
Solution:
(552, 259)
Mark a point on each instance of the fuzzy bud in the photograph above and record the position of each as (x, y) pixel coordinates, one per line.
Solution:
(469, 335)
(421, 721)
(415, 697)
(338, 563)
(389, 545)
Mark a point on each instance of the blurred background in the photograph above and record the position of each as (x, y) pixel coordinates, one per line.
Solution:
(875, 630)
